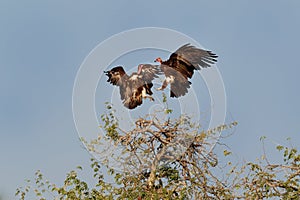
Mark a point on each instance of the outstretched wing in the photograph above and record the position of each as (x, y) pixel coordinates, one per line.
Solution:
(147, 73)
(115, 75)
(188, 58)
(181, 65)
(118, 77)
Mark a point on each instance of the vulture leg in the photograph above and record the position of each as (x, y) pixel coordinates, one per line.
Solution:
(145, 96)
(164, 85)
(149, 97)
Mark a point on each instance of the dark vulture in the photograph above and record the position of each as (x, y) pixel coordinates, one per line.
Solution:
(179, 68)
(137, 86)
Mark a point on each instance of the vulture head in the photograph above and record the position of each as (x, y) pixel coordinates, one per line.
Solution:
(158, 60)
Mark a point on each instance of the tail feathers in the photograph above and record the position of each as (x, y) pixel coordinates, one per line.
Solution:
(179, 88)
(133, 102)
(148, 87)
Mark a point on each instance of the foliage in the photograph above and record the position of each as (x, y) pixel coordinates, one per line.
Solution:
(171, 159)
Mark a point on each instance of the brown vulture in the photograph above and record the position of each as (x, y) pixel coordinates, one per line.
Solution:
(180, 66)
(135, 87)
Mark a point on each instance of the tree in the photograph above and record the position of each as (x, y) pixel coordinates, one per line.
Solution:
(172, 159)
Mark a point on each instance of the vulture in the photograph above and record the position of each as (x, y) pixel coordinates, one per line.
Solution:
(137, 86)
(180, 66)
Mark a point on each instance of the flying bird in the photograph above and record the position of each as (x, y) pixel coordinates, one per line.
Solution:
(137, 86)
(180, 66)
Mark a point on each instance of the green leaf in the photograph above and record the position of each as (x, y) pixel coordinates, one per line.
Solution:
(262, 138)
(164, 97)
(168, 111)
(279, 147)
(226, 153)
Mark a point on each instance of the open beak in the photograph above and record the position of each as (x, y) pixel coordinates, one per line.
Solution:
(107, 73)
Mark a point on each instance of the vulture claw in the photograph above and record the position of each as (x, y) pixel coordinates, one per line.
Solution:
(149, 97)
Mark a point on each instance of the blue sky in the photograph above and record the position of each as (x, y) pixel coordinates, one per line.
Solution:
(42, 45)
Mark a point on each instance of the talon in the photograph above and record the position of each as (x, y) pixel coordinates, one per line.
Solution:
(150, 98)
(160, 88)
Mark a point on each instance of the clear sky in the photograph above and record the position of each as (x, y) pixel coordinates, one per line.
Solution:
(43, 43)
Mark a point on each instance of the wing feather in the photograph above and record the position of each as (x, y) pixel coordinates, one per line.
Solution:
(188, 58)
(148, 74)
(183, 62)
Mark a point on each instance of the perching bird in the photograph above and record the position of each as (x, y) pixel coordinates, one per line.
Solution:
(135, 87)
(179, 68)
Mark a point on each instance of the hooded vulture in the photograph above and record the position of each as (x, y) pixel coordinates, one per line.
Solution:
(137, 86)
(180, 66)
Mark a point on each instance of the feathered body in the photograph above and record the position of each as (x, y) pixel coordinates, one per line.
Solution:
(180, 66)
(137, 86)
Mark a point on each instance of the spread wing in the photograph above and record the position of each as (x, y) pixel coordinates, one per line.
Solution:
(178, 82)
(189, 58)
(181, 65)
(117, 76)
(147, 73)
